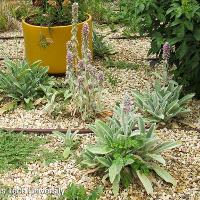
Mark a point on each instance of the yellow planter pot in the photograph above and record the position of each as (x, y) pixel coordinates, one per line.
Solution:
(48, 44)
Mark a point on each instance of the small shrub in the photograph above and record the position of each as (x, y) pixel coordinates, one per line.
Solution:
(78, 192)
(55, 12)
(125, 153)
(23, 9)
(7, 21)
(69, 142)
(127, 16)
(22, 81)
(163, 103)
(101, 49)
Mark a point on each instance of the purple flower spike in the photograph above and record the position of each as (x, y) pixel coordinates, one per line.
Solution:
(85, 31)
(127, 104)
(100, 77)
(166, 51)
(70, 59)
(89, 56)
(81, 64)
(80, 81)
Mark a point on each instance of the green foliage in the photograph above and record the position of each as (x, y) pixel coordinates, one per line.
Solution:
(23, 9)
(124, 153)
(69, 142)
(56, 12)
(163, 103)
(113, 80)
(7, 21)
(78, 192)
(22, 81)
(97, 8)
(127, 16)
(58, 97)
(120, 64)
(100, 47)
(16, 149)
(177, 22)
(47, 156)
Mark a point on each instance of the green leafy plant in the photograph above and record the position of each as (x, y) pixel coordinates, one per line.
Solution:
(175, 21)
(101, 48)
(58, 97)
(98, 9)
(22, 81)
(7, 21)
(78, 192)
(163, 103)
(127, 16)
(69, 141)
(120, 64)
(16, 149)
(125, 153)
(113, 80)
(23, 9)
(55, 12)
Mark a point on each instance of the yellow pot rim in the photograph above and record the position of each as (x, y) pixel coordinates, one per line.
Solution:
(56, 27)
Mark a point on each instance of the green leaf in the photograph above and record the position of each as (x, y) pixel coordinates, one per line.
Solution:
(146, 182)
(141, 125)
(58, 134)
(115, 169)
(66, 152)
(166, 146)
(8, 107)
(158, 158)
(102, 130)
(186, 98)
(164, 174)
(95, 194)
(99, 149)
(115, 186)
(197, 34)
(151, 131)
(105, 162)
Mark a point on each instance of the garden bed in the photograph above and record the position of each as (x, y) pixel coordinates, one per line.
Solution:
(182, 163)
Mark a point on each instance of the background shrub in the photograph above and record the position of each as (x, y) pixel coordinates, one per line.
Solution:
(178, 22)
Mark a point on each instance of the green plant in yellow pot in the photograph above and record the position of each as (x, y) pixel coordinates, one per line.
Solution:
(49, 29)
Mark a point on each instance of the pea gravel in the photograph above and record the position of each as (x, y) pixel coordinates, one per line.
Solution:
(183, 163)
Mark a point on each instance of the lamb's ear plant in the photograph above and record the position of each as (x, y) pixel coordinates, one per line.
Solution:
(69, 141)
(125, 153)
(58, 97)
(84, 81)
(21, 81)
(165, 101)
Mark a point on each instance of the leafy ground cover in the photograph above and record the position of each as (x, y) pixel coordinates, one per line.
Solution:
(17, 150)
